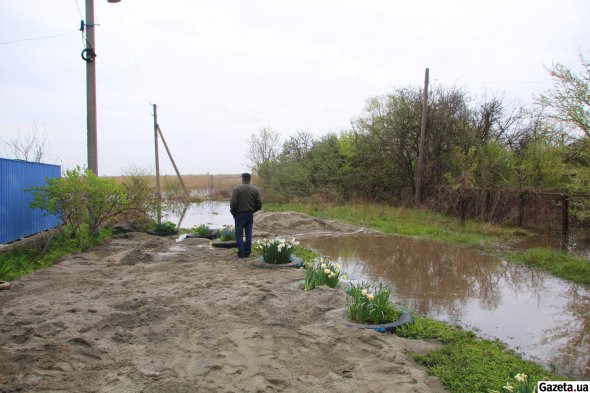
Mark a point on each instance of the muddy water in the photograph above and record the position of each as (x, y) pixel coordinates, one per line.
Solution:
(544, 318)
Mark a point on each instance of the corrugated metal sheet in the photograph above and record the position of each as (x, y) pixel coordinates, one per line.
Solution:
(17, 219)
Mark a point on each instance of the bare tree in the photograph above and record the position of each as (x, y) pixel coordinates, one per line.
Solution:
(30, 147)
(263, 147)
(297, 146)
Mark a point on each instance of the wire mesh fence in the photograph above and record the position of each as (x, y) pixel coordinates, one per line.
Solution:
(554, 214)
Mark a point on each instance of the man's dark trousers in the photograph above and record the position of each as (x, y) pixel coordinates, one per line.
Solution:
(244, 222)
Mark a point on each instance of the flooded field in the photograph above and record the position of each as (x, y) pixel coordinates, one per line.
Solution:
(544, 318)
(213, 213)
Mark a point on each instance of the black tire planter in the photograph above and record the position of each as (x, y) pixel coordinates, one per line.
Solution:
(211, 236)
(295, 262)
(226, 244)
(162, 233)
(404, 319)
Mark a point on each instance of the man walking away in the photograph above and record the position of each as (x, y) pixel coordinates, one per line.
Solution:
(245, 200)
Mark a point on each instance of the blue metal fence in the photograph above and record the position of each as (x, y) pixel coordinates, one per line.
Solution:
(17, 219)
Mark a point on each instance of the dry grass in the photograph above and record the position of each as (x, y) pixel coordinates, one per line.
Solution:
(218, 185)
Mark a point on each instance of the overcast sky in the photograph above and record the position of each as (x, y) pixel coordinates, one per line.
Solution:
(221, 70)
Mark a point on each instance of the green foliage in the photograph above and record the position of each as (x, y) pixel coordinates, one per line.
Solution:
(165, 227)
(483, 143)
(476, 365)
(228, 234)
(322, 272)
(427, 329)
(542, 166)
(369, 304)
(558, 263)
(24, 261)
(569, 99)
(201, 230)
(142, 202)
(305, 254)
(84, 201)
(276, 251)
(521, 384)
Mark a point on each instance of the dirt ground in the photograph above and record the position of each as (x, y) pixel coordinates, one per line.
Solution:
(150, 314)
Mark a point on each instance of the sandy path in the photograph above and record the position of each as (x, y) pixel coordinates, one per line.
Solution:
(148, 314)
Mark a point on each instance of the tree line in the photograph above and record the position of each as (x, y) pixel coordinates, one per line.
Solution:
(472, 142)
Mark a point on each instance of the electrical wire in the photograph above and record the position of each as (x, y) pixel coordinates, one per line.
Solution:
(38, 38)
(124, 58)
(79, 10)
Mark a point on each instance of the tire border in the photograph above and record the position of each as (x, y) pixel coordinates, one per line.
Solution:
(404, 319)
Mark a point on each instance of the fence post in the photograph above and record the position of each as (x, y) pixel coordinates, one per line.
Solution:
(564, 219)
(521, 209)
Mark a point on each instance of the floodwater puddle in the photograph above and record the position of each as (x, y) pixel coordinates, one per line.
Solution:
(215, 214)
(171, 251)
(544, 318)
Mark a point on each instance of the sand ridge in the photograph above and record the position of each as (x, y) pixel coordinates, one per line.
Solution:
(149, 314)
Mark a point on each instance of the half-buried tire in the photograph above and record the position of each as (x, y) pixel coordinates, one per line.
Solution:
(404, 319)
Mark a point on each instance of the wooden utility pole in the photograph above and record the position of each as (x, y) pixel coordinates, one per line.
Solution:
(158, 190)
(422, 140)
(172, 160)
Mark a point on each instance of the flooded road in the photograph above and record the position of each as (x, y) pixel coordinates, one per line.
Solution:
(542, 317)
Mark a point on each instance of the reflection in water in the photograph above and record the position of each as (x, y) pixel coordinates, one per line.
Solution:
(545, 318)
(579, 244)
(213, 213)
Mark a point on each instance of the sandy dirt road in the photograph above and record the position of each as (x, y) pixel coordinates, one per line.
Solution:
(149, 314)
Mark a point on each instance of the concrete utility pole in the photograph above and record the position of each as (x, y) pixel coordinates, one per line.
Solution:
(89, 55)
(422, 140)
(158, 190)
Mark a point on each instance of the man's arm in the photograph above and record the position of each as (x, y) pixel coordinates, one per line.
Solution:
(257, 202)
(233, 205)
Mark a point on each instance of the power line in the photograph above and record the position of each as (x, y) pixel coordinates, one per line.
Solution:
(124, 57)
(38, 38)
(79, 10)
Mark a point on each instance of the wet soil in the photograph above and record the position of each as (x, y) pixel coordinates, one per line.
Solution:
(149, 314)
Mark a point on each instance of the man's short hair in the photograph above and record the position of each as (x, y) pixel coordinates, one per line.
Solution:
(246, 177)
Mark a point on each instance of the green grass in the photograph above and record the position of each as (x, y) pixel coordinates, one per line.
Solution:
(556, 262)
(468, 364)
(305, 254)
(407, 222)
(24, 261)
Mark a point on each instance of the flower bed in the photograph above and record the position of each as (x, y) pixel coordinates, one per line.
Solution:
(322, 272)
(370, 305)
(204, 232)
(276, 251)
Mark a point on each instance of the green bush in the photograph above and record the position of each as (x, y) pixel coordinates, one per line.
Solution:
(165, 227)
(142, 201)
(85, 202)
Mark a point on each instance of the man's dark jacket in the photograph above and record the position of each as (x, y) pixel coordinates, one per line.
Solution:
(245, 198)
